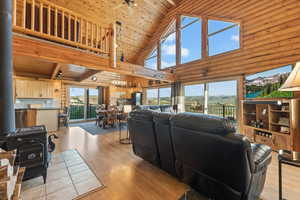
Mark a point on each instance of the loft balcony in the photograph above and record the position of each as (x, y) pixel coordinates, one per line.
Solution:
(43, 19)
(46, 22)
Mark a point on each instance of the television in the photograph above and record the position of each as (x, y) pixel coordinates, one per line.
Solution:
(266, 84)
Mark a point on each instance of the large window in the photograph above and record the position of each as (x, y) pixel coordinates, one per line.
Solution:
(152, 96)
(191, 31)
(168, 48)
(165, 96)
(151, 61)
(222, 99)
(222, 37)
(215, 98)
(158, 96)
(194, 98)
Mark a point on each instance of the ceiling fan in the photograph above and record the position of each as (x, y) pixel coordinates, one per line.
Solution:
(129, 3)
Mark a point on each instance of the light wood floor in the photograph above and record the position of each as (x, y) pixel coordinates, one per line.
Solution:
(128, 177)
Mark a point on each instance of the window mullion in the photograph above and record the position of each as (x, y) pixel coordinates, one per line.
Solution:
(222, 30)
(204, 39)
(178, 40)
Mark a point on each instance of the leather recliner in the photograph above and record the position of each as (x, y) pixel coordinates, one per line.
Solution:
(203, 151)
(215, 161)
(164, 142)
(142, 134)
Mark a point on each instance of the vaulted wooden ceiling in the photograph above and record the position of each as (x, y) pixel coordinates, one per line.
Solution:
(138, 23)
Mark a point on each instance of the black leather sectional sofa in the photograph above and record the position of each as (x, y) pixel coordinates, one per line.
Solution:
(202, 151)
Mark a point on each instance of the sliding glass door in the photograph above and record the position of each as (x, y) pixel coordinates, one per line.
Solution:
(76, 104)
(194, 98)
(82, 103)
(214, 98)
(92, 102)
(222, 99)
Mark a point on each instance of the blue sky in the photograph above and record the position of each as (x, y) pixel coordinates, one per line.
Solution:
(224, 88)
(80, 91)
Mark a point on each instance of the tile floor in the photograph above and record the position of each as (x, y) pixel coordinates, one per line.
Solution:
(69, 177)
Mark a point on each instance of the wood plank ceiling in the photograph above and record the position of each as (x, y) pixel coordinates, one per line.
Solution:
(138, 23)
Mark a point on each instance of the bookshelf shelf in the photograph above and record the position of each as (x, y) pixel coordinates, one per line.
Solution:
(273, 122)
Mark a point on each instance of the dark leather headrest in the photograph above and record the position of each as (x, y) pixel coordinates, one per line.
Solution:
(142, 115)
(203, 122)
(162, 117)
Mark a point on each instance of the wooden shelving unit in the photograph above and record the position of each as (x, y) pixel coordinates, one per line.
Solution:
(275, 122)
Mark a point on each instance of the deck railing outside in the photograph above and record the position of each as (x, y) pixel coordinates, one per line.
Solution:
(222, 110)
(77, 111)
(46, 20)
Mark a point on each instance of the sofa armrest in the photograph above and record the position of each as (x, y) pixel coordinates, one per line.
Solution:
(262, 155)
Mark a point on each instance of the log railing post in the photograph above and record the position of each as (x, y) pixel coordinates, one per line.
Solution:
(55, 22)
(33, 15)
(63, 24)
(113, 46)
(69, 27)
(41, 18)
(24, 14)
(14, 16)
(48, 20)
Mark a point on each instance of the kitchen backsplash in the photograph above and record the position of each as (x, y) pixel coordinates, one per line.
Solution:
(43, 103)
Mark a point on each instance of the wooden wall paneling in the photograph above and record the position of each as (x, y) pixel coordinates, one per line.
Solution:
(64, 55)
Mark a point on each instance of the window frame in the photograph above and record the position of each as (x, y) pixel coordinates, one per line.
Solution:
(179, 33)
(158, 94)
(237, 23)
(204, 38)
(163, 38)
(155, 56)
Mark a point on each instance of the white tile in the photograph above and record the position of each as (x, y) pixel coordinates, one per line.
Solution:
(82, 176)
(87, 185)
(78, 168)
(58, 185)
(67, 193)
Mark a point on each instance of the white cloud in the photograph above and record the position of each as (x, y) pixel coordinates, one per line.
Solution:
(185, 52)
(235, 38)
(169, 50)
(171, 37)
(167, 64)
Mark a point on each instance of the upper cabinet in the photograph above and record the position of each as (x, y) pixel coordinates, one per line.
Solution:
(34, 89)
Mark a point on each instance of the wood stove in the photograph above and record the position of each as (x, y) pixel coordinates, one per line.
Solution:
(32, 150)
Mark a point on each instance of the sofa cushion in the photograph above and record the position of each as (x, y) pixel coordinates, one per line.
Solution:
(164, 142)
(141, 129)
(204, 123)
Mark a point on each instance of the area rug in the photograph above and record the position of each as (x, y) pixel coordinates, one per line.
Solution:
(93, 129)
(69, 177)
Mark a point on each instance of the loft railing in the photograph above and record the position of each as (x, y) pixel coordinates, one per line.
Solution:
(46, 20)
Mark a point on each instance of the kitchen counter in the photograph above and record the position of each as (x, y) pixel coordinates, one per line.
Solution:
(26, 117)
(37, 108)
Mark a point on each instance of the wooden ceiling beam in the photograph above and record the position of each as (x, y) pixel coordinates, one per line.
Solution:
(56, 68)
(51, 52)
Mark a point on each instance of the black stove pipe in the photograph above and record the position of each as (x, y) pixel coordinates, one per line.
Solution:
(7, 113)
